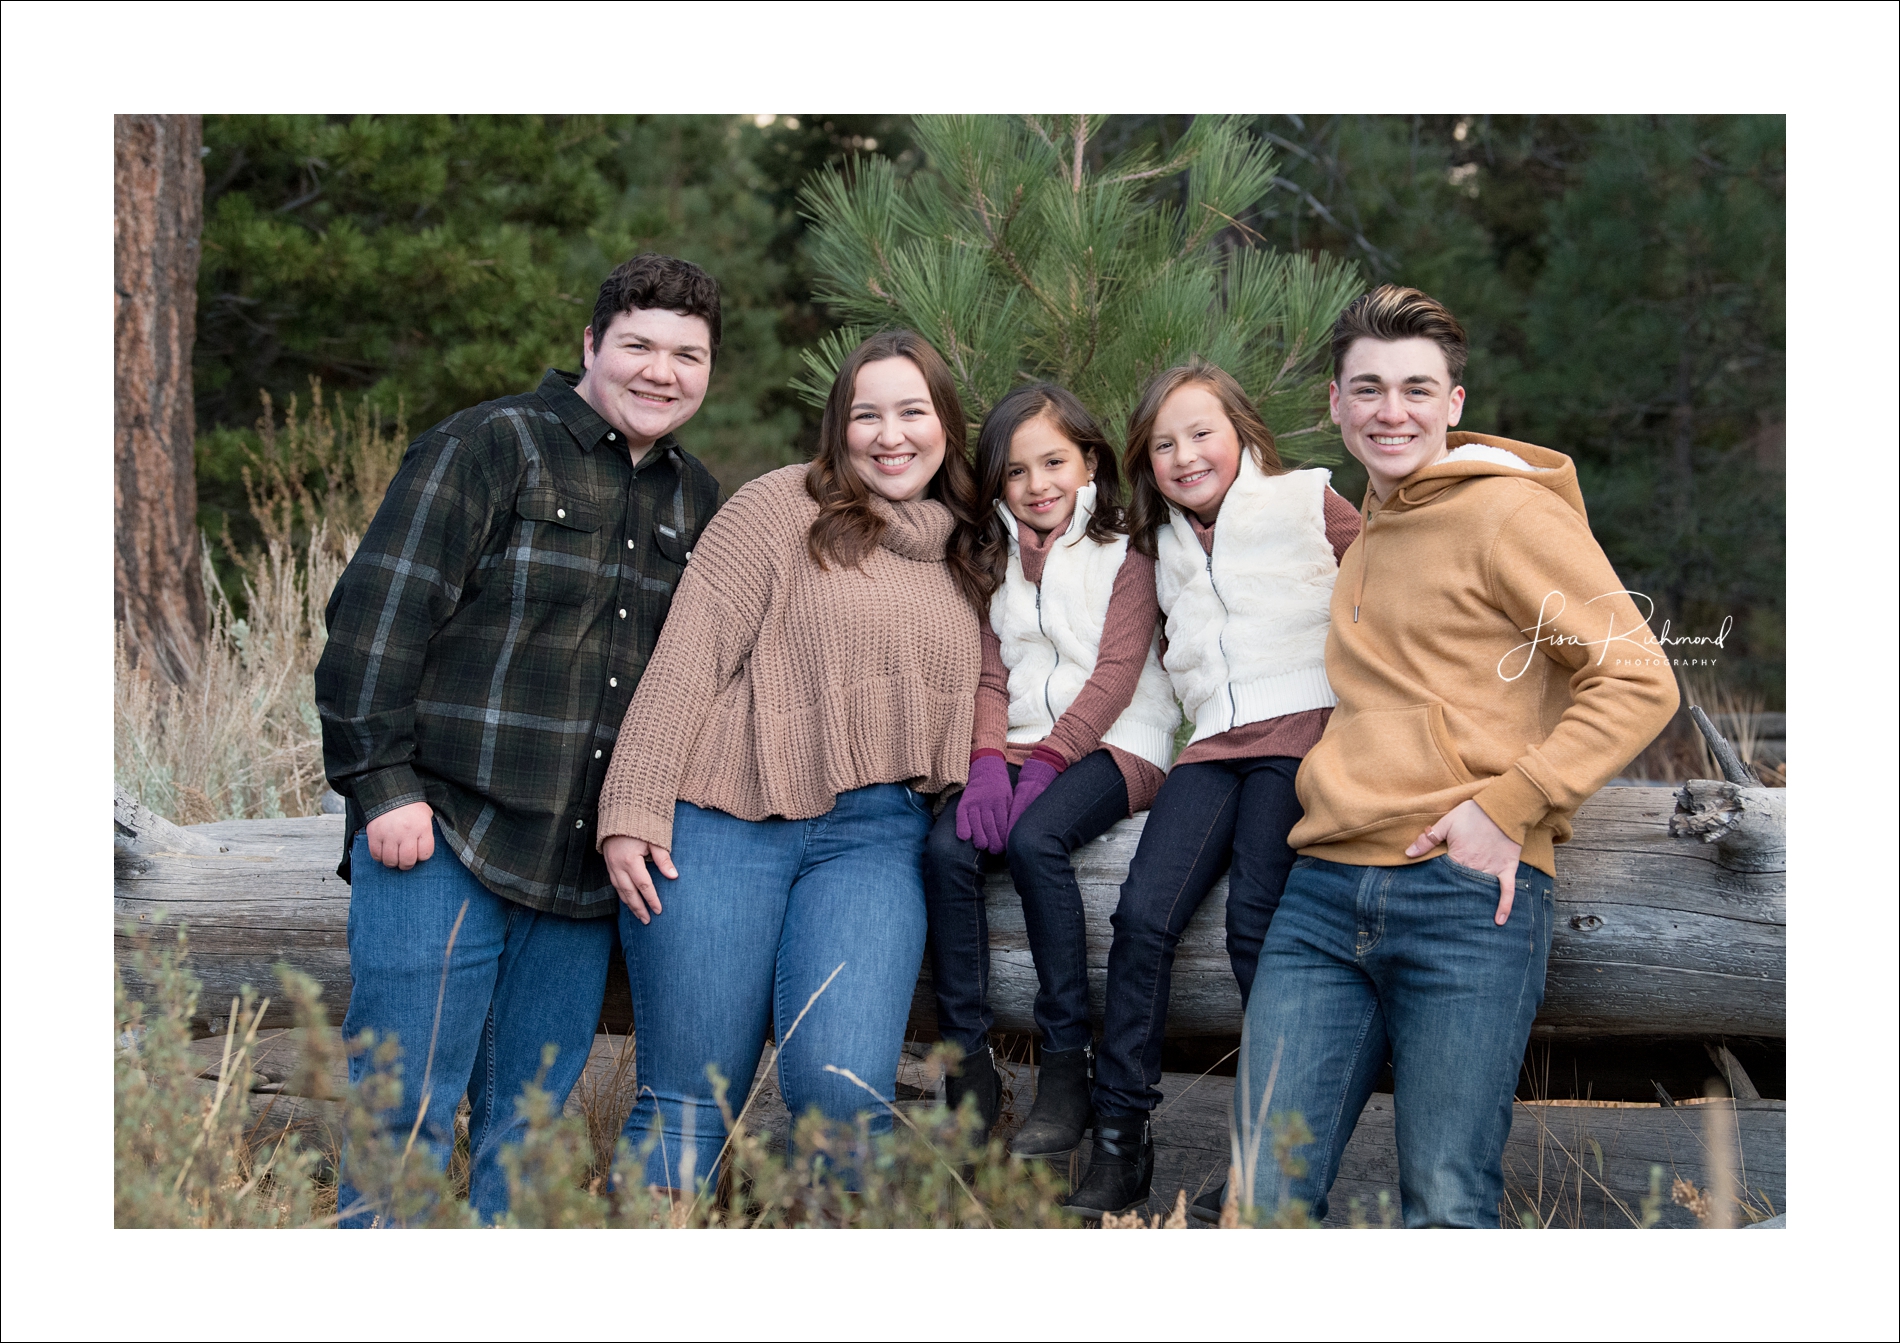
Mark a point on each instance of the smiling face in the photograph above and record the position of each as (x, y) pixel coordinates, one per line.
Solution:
(1194, 451)
(1393, 403)
(893, 437)
(1045, 470)
(649, 375)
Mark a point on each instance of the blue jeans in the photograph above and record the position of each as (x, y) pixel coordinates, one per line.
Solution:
(760, 916)
(1086, 799)
(1216, 816)
(516, 980)
(1362, 961)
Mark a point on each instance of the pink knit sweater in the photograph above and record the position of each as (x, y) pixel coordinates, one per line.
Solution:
(777, 685)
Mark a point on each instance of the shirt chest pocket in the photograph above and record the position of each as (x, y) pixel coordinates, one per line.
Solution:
(668, 559)
(558, 547)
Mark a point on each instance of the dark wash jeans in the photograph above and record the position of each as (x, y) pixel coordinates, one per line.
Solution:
(761, 915)
(516, 980)
(1085, 800)
(1206, 816)
(1365, 960)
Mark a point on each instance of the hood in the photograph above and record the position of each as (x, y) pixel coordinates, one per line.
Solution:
(1487, 455)
(1470, 455)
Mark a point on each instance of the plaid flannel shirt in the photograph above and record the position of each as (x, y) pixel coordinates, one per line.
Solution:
(487, 636)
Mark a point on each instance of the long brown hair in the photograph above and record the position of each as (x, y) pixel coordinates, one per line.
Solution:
(846, 528)
(1148, 507)
(1061, 407)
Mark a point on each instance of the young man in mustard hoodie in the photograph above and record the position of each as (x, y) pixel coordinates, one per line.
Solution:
(1492, 673)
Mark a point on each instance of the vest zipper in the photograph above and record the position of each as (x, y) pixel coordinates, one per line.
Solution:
(1220, 642)
(1047, 704)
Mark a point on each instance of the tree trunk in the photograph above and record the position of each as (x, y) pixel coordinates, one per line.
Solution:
(158, 213)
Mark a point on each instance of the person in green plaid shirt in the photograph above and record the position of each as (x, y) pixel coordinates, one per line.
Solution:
(484, 643)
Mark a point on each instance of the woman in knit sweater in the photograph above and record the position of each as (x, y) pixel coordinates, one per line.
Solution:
(813, 685)
(1074, 730)
(1247, 615)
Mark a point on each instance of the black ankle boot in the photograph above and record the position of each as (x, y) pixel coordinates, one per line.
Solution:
(1121, 1168)
(1208, 1207)
(1062, 1110)
(976, 1077)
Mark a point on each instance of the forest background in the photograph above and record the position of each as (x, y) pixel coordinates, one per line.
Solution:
(1622, 279)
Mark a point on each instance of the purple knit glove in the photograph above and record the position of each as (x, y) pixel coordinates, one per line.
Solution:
(1036, 774)
(983, 810)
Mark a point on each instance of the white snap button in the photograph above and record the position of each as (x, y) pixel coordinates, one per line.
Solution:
(579, 824)
(610, 435)
(613, 680)
(623, 613)
(629, 543)
(596, 755)
(560, 512)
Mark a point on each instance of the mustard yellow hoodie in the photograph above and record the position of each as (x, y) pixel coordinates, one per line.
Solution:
(1481, 647)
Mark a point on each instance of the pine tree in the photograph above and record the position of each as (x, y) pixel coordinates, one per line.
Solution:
(1020, 255)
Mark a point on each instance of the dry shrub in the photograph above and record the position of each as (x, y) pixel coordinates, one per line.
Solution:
(240, 738)
(190, 1155)
(180, 1157)
(1175, 1220)
(325, 466)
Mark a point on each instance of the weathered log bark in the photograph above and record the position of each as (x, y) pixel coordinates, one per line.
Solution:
(1671, 912)
(158, 214)
(1656, 932)
(251, 892)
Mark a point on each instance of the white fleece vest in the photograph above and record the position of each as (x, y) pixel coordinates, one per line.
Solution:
(1247, 624)
(1051, 633)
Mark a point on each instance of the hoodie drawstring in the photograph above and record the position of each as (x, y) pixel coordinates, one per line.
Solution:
(1365, 551)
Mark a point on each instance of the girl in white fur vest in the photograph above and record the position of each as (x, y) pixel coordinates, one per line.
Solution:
(1245, 649)
(1074, 729)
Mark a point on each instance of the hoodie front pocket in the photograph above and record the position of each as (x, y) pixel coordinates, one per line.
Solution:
(1374, 766)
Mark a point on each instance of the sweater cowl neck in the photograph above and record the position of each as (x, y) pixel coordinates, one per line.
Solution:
(917, 529)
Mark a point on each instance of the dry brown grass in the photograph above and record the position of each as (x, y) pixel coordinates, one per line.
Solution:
(603, 1098)
(1680, 752)
(241, 739)
(1566, 1184)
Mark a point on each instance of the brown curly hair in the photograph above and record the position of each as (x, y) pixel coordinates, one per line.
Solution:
(846, 528)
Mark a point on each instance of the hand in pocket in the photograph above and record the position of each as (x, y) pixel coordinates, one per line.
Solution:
(1474, 840)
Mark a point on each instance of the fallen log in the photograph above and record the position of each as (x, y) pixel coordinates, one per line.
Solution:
(1567, 1165)
(1671, 917)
